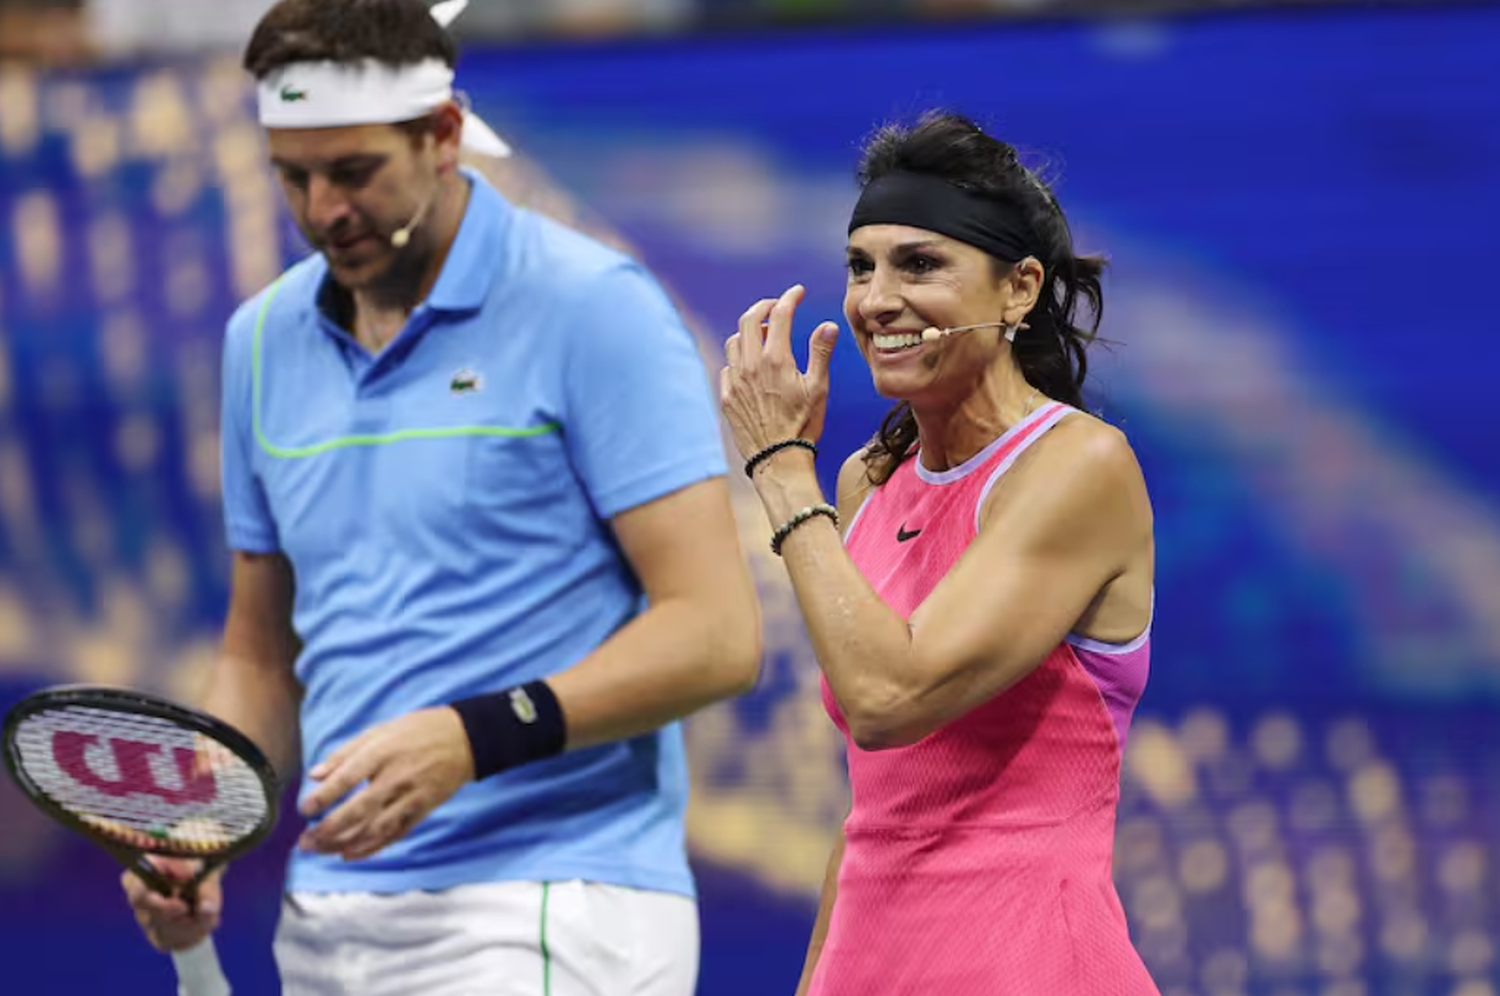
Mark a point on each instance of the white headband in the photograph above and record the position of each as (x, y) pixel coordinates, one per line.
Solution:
(336, 95)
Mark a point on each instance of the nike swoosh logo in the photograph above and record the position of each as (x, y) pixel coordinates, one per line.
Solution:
(902, 535)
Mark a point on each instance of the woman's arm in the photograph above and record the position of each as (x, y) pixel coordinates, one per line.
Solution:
(1072, 517)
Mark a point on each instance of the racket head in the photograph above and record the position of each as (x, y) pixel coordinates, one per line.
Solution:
(141, 775)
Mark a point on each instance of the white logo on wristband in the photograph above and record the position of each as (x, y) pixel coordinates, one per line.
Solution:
(522, 706)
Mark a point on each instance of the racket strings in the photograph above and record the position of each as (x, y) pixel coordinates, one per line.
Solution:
(143, 780)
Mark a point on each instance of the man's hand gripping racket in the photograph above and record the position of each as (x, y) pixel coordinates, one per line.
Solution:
(146, 779)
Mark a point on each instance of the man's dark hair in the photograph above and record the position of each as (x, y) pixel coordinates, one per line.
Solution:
(394, 32)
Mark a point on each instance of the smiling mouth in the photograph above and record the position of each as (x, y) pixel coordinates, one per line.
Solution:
(895, 342)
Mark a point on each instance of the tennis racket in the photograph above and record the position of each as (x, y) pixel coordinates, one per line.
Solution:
(142, 776)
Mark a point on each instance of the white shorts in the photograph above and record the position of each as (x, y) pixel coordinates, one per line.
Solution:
(494, 939)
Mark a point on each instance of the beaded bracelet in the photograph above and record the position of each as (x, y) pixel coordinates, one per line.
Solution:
(775, 448)
(810, 512)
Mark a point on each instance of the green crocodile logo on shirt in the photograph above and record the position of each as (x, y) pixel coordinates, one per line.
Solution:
(466, 381)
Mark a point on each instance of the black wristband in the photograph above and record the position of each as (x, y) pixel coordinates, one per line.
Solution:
(511, 728)
(775, 448)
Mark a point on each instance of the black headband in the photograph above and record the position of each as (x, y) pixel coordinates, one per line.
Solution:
(924, 201)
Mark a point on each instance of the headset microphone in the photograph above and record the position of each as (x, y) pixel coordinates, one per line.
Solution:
(401, 236)
(932, 333)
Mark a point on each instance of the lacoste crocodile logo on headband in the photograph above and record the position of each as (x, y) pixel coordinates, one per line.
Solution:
(290, 94)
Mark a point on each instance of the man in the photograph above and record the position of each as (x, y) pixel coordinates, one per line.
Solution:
(484, 554)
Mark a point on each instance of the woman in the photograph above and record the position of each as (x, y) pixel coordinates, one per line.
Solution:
(983, 627)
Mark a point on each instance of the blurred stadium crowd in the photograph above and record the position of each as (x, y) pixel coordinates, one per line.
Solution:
(1309, 806)
(67, 31)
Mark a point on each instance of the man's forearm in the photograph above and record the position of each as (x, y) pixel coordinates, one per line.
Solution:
(673, 659)
(262, 702)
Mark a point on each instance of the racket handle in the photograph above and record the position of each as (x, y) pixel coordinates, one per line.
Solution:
(198, 971)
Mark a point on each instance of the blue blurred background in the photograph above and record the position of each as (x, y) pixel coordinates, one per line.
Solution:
(1299, 203)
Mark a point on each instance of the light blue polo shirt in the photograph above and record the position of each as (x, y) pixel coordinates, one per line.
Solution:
(445, 507)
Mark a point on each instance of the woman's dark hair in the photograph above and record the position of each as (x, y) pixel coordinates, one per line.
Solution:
(1051, 353)
(394, 32)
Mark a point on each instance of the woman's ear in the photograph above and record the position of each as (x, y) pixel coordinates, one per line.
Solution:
(1025, 278)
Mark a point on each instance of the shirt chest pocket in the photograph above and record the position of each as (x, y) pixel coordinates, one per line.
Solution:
(468, 475)
(451, 494)
(523, 487)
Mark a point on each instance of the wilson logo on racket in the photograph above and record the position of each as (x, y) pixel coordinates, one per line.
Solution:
(133, 762)
(222, 800)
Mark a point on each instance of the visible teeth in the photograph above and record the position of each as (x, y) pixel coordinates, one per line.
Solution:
(897, 341)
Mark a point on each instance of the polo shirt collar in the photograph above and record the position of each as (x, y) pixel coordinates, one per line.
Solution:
(472, 265)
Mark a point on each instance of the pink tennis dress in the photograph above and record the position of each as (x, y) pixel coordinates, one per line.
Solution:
(977, 861)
